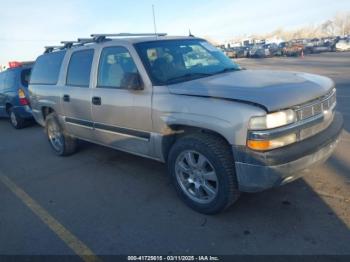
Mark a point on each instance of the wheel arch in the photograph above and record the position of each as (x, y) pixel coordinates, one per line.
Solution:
(180, 130)
(46, 110)
(8, 106)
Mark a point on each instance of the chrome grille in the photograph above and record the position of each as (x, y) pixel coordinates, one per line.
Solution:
(322, 106)
(317, 106)
(313, 130)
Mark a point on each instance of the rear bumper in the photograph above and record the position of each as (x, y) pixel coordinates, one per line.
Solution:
(257, 171)
(23, 111)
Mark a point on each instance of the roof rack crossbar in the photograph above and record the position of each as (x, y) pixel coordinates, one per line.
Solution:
(49, 49)
(54, 46)
(129, 34)
(68, 44)
(85, 40)
(102, 37)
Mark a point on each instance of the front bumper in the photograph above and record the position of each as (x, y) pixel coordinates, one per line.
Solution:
(257, 171)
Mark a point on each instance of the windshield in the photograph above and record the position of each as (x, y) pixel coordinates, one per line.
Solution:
(174, 61)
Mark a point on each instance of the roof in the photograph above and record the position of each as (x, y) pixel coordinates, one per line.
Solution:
(123, 37)
(135, 40)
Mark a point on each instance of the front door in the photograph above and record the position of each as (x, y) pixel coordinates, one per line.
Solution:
(122, 117)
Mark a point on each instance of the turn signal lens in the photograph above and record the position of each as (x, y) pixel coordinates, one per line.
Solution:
(21, 93)
(259, 144)
(264, 145)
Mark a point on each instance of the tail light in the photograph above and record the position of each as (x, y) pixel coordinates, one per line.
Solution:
(22, 98)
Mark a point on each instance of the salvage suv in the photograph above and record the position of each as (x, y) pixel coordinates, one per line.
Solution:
(221, 129)
(14, 102)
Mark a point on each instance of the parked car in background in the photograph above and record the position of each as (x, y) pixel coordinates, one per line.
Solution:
(230, 52)
(322, 45)
(259, 51)
(292, 49)
(150, 96)
(240, 52)
(14, 95)
(274, 49)
(343, 45)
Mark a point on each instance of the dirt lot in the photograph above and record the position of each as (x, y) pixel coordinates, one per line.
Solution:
(110, 202)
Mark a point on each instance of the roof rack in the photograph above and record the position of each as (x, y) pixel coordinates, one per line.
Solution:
(86, 40)
(49, 49)
(68, 44)
(102, 37)
(95, 38)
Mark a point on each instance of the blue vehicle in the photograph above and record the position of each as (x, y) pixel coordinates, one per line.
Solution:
(14, 102)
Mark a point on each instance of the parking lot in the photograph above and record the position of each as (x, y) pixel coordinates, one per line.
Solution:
(109, 202)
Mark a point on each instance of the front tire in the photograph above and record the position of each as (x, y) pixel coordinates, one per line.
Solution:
(202, 170)
(61, 143)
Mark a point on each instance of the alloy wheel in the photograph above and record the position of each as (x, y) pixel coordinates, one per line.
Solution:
(196, 176)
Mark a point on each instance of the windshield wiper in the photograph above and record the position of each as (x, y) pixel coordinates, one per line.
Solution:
(189, 75)
(229, 69)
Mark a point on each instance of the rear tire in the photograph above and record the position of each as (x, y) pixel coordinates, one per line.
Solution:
(208, 188)
(61, 143)
(16, 121)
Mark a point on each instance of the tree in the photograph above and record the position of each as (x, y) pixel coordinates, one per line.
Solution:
(342, 23)
(328, 28)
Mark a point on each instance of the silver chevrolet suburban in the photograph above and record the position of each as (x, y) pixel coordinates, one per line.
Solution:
(221, 129)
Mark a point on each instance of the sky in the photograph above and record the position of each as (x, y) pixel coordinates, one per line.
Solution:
(27, 26)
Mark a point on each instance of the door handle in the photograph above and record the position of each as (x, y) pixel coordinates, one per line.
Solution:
(66, 98)
(96, 100)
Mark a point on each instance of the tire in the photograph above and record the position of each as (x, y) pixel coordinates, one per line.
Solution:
(16, 121)
(61, 143)
(219, 160)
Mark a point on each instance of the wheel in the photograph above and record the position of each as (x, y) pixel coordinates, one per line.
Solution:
(16, 121)
(202, 171)
(62, 144)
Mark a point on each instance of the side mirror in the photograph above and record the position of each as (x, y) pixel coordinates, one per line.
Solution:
(132, 81)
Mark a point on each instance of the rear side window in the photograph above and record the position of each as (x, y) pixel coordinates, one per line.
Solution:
(47, 68)
(25, 76)
(2, 81)
(10, 80)
(79, 68)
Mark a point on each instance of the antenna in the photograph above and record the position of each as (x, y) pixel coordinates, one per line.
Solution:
(154, 22)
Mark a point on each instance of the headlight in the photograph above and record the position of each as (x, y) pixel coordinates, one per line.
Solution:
(272, 120)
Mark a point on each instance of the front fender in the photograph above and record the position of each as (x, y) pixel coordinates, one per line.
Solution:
(217, 125)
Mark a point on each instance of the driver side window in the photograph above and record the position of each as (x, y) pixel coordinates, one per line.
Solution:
(115, 64)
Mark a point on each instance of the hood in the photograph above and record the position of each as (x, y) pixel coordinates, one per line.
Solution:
(273, 90)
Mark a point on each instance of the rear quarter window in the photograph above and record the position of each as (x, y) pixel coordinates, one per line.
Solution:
(2, 81)
(10, 80)
(25, 76)
(47, 68)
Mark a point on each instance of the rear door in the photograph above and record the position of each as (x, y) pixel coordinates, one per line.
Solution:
(122, 117)
(76, 95)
